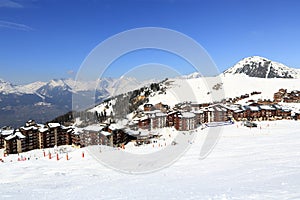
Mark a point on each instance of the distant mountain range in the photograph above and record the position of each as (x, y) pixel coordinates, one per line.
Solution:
(43, 101)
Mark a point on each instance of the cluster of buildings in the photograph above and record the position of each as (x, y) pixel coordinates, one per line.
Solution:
(288, 97)
(39, 136)
(188, 116)
(35, 136)
(183, 117)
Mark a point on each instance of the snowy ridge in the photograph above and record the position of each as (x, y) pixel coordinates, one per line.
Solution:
(54, 98)
(112, 85)
(261, 67)
(6, 87)
(209, 89)
(192, 75)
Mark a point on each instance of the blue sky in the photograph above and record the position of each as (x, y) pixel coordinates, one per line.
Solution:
(46, 39)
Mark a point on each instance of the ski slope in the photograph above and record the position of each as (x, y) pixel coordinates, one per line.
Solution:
(201, 89)
(257, 163)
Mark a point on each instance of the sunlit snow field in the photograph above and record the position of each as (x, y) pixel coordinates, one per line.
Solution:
(257, 163)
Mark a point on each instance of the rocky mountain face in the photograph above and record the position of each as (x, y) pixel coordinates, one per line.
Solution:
(260, 67)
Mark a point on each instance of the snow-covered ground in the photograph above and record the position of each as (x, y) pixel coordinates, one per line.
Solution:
(201, 89)
(257, 163)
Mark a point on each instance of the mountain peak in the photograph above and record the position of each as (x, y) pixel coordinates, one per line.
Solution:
(260, 67)
(6, 87)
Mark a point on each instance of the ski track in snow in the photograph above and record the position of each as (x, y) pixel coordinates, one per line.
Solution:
(257, 163)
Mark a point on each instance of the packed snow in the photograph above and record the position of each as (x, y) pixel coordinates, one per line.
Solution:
(256, 163)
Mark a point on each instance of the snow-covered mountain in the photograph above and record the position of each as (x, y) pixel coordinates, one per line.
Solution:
(44, 101)
(260, 67)
(192, 75)
(6, 87)
(200, 90)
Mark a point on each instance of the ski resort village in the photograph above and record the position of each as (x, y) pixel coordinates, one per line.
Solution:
(149, 100)
(101, 126)
(256, 155)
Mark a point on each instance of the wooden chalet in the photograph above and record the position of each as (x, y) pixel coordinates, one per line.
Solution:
(278, 96)
(252, 112)
(284, 113)
(267, 112)
(239, 114)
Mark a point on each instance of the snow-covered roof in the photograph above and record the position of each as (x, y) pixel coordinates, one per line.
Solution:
(66, 127)
(53, 125)
(160, 114)
(232, 107)
(28, 128)
(16, 134)
(151, 112)
(19, 134)
(245, 107)
(77, 131)
(43, 129)
(143, 118)
(10, 137)
(139, 132)
(198, 111)
(238, 111)
(254, 108)
(187, 115)
(93, 128)
(134, 122)
(210, 109)
(277, 106)
(172, 112)
(115, 126)
(285, 109)
(105, 133)
(266, 107)
(218, 108)
(7, 132)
